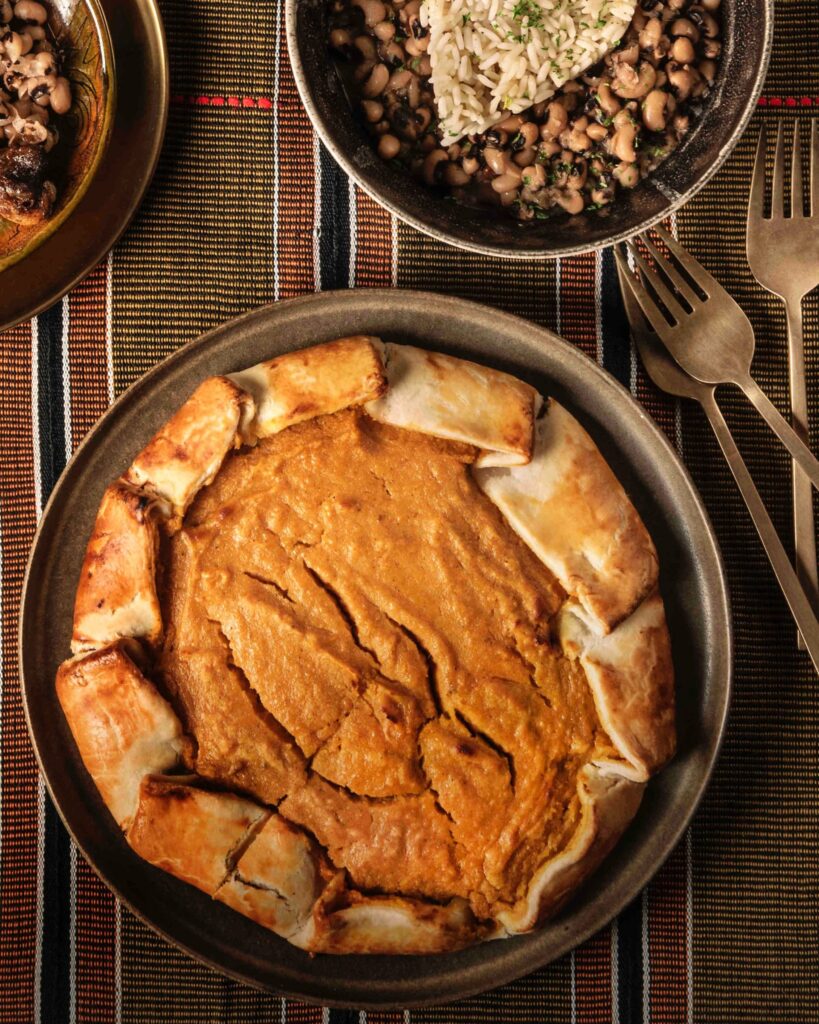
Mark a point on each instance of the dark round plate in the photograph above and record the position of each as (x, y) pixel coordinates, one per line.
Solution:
(692, 582)
(747, 36)
(124, 174)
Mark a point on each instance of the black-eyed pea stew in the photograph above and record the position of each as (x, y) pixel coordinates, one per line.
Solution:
(32, 91)
(600, 133)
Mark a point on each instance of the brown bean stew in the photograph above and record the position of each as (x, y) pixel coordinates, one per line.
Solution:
(607, 129)
(32, 92)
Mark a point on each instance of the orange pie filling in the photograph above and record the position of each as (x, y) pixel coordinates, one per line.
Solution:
(356, 636)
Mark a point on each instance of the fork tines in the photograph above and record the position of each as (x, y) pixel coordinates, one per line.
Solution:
(796, 206)
(674, 288)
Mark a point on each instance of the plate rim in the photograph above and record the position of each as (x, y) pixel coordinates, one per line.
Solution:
(511, 323)
(152, 16)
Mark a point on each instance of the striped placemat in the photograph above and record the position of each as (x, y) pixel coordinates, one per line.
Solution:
(247, 207)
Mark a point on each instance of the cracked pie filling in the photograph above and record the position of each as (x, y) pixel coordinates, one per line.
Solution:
(368, 647)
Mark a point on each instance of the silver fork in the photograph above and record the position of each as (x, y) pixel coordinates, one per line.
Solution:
(710, 337)
(667, 375)
(783, 253)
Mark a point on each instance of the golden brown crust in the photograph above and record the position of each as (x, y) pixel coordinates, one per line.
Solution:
(609, 803)
(123, 728)
(573, 513)
(312, 382)
(195, 834)
(346, 921)
(462, 401)
(278, 879)
(187, 452)
(116, 595)
(553, 487)
(631, 676)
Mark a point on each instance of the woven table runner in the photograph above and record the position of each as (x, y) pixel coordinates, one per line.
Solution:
(246, 208)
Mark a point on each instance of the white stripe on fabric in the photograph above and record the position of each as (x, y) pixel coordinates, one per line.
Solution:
(317, 213)
(646, 958)
(276, 89)
(109, 326)
(283, 1013)
(353, 208)
(406, 1017)
(689, 924)
(362, 1017)
(38, 508)
(615, 972)
(325, 1015)
(66, 383)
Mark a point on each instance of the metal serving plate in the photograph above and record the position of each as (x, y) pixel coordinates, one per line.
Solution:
(692, 582)
(122, 178)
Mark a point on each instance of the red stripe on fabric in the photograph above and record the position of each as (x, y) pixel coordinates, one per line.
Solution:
(266, 102)
(18, 777)
(95, 977)
(296, 180)
(301, 1013)
(95, 936)
(578, 313)
(592, 975)
(668, 941)
(373, 253)
(789, 101)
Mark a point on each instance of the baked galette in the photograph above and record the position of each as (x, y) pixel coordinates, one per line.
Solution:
(368, 646)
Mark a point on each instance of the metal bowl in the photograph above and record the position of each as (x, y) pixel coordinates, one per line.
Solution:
(748, 28)
(80, 30)
(691, 580)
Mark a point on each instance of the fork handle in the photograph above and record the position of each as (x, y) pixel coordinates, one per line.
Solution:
(799, 451)
(803, 521)
(783, 570)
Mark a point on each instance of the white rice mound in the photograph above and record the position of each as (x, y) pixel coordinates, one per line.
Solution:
(492, 58)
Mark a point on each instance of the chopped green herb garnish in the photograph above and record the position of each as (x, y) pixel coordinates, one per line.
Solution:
(528, 9)
(466, 18)
(415, 63)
